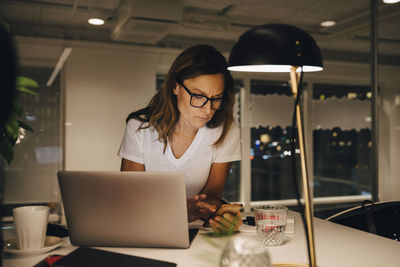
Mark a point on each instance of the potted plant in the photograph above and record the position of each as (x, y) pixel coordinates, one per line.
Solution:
(11, 109)
(10, 130)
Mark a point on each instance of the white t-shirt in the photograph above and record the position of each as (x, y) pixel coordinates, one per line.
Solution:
(142, 146)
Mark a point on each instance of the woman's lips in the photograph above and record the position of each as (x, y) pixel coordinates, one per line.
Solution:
(203, 118)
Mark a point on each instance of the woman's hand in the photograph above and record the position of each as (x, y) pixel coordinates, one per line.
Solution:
(198, 209)
(226, 223)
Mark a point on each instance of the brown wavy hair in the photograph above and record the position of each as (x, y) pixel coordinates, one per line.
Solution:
(162, 111)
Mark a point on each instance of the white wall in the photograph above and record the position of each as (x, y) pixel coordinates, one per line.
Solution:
(102, 86)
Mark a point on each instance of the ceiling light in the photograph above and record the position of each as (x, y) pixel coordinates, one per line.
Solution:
(328, 23)
(97, 16)
(96, 21)
(391, 1)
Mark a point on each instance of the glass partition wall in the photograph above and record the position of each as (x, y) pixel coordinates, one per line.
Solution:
(342, 145)
(338, 122)
(31, 176)
(341, 118)
(270, 152)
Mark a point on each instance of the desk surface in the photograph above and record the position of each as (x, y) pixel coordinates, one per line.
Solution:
(336, 245)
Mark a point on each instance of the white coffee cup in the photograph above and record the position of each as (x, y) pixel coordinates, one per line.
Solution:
(30, 226)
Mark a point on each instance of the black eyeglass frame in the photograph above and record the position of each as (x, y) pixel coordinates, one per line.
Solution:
(212, 99)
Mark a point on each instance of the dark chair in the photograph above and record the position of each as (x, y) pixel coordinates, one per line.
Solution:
(381, 218)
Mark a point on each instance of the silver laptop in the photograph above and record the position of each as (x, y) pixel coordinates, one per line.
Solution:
(125, 209)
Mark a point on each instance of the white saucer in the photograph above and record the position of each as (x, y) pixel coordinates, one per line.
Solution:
(51, 242)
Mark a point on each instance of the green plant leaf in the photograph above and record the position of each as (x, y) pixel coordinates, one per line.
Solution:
(26, 82)
(6, 149)
(25, 126)
(26, 90)
(17, 107)
(12, 129)
(6, 26)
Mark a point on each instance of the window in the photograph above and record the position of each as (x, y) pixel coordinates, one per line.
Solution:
(340, 174)
(271, 172)
(342, 140)
(32, 175)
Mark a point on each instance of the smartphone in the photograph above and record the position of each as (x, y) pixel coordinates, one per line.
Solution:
(232, 208)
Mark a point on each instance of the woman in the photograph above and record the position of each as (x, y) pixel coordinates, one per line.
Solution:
(188, 127)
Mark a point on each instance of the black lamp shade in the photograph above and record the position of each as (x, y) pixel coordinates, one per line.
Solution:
(276, 44)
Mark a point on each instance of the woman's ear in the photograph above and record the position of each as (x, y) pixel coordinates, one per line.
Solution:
(176, 89)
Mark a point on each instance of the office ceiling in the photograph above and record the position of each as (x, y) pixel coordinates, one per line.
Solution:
(181, 23)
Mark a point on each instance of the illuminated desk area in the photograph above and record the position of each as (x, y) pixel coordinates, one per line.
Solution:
(336, 246)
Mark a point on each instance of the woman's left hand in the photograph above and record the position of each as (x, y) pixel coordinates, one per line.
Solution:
(198, 208)
(227, 223)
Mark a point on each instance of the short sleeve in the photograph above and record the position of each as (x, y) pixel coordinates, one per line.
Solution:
(230, 149)
(132, 143)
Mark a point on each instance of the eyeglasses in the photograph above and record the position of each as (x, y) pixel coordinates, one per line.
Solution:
(199, 101)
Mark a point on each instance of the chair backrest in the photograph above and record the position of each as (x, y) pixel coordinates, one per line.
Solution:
(381, 218)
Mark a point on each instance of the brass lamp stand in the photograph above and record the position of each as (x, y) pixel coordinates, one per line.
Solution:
(294, 79)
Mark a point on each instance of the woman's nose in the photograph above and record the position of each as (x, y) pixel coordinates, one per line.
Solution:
(207, 107)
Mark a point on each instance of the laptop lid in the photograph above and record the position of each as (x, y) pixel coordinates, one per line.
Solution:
(127, 209)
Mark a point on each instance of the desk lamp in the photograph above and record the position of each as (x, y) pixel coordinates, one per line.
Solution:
(283, 48)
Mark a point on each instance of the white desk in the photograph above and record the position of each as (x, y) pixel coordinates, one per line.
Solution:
(336, 246)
